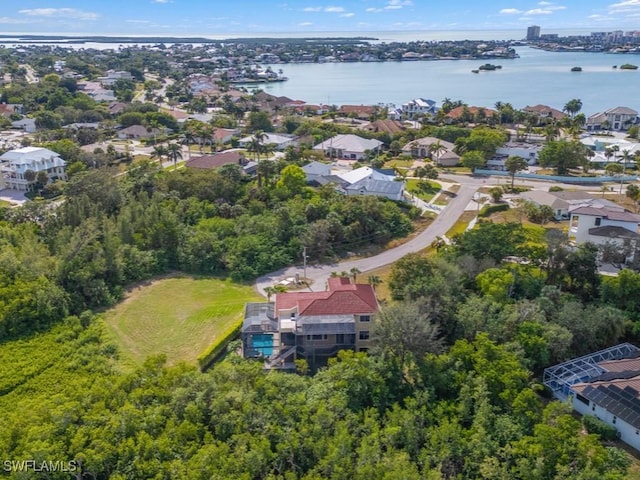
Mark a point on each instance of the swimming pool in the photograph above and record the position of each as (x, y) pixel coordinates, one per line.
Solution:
(262, 344)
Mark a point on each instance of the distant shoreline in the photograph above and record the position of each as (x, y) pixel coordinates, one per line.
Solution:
(62, 39)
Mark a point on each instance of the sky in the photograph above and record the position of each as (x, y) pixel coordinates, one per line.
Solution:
(220, 17)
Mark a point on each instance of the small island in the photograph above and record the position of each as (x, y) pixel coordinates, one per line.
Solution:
(576, 69)
(628, 66)
(489, 67)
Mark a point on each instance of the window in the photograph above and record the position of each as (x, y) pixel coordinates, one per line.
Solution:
(340, 338)
(363, 349)
(364, 335)
(582, 399)
(614, 420)
(365, 318)
(598, 221)
(317, 337)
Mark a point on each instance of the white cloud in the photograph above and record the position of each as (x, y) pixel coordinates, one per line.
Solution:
(510, 11)
(137, 21)
(60, 13)
(373, 10)
(398, 4)
(348, 15)
(545, 3)
(160, 1)
(14, 21)
(539, 11)
(305, 24)
(334, 9)
(623, 7)
(312, 9)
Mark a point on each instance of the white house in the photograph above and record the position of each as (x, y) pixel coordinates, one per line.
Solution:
(350, 147)
(374, 182)
(618, 118)
(604, 384)
(419, 106)
(16, 163)
(528, 151)
(113, 76)
(603, 225)
(279, 140)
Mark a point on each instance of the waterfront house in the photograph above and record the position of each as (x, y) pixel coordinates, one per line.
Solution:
(604, 384)
(16, 163)
(358, 111)
(349, 147)
(418, 107)
(544, 112)
(618, 118)
(313, 326)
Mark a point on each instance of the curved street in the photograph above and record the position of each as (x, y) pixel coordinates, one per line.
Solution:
(318, 274)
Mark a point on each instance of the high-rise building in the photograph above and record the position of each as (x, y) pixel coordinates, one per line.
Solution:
(533, 32)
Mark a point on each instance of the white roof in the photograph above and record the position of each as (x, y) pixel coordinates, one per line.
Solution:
(271, 138)
(365, 173)
(350, 143)
(26, 155)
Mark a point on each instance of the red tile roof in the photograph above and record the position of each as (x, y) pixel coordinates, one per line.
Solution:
(216, 160)
(457, 112)
(342, 298)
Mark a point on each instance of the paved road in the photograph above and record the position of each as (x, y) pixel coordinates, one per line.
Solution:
(438, 228)
(447, 219)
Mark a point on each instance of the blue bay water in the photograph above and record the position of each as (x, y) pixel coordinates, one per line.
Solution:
(536, 77)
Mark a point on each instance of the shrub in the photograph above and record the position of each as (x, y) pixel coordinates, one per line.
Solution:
(556, 189)
(488, 210)
(219, 347)
(597, 426)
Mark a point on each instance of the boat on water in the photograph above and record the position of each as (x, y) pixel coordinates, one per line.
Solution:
(576, 69)
(489, 67)
(475, 71)
(628, 66)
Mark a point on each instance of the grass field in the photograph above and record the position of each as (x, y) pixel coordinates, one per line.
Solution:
(424, 194)
(178, 316)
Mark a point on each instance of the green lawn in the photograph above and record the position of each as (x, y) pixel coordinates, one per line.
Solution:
(179, 317)
(398, 163)
(425, 194)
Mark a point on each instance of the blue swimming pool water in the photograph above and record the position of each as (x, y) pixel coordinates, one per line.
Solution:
(263, 343)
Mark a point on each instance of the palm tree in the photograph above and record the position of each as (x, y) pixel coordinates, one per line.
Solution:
(354, 273)
(437, 149)
(633, 192)
(174, 152)
(374, 281)
(573, 106)
(187, 139)
(159, 151)
(269, 291)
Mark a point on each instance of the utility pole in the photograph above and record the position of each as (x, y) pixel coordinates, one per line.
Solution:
(304, 262)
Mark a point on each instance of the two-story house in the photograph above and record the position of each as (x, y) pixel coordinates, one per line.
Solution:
(16, 165)
(310, 325)
(602, 225)
(419, 107)
(618, 118)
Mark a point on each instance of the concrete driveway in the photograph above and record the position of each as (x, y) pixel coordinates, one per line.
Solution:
(15, 197)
